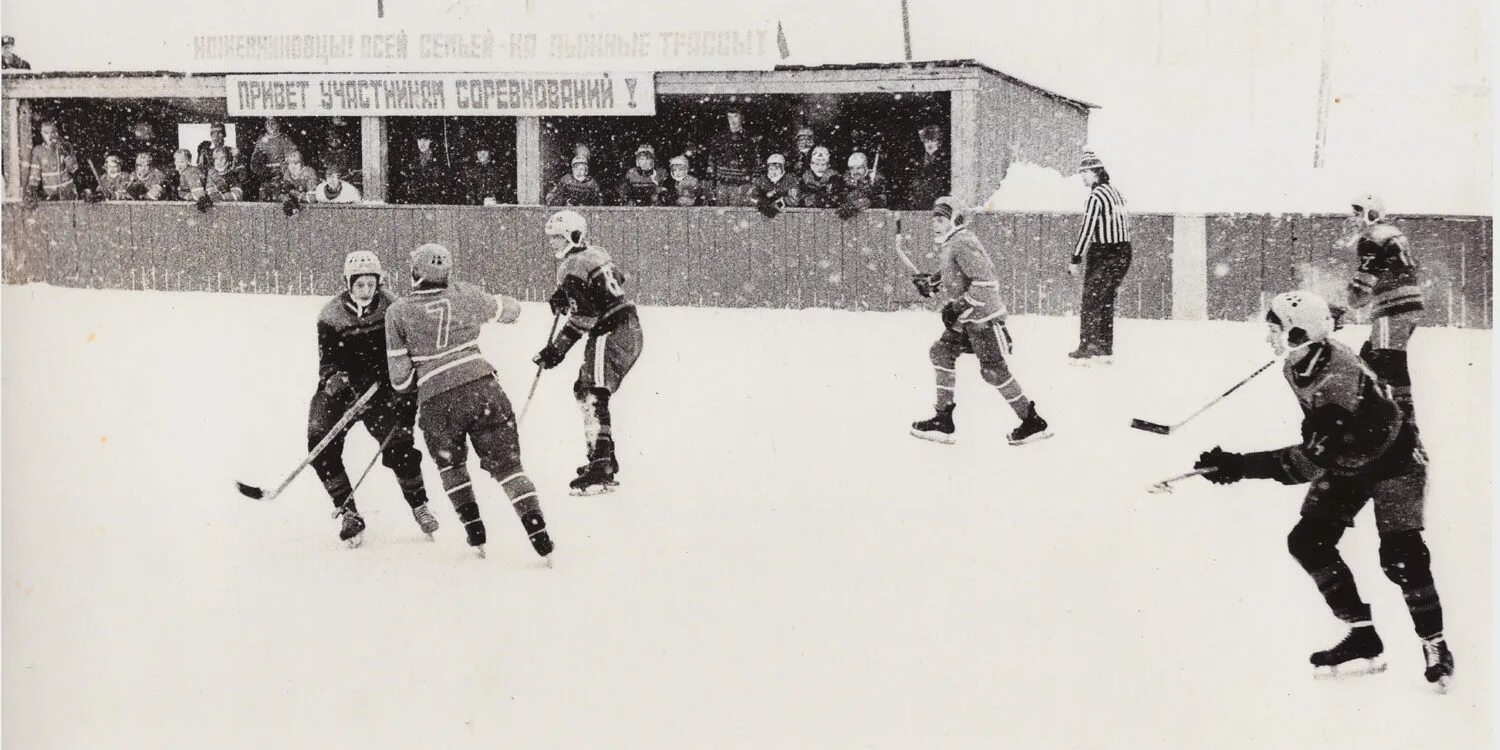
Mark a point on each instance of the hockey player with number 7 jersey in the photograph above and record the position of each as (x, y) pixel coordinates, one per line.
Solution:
(432, 345)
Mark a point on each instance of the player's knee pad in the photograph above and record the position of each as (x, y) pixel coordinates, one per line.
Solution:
(501, 465)
(1405, 559)
(599, 399)
(580, 389)
(996, 375)
(1389, 365)
(403, 458)
(942, 354)
(1314, 543)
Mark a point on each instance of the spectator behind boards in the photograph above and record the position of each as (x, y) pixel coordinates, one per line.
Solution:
(482, 181)
(112, 183)
(146, 183)
(820, 185)
(774, 190)
(733, 158)
(51, 167)
(862, 188)
(269, 158)
(681, 188)
(643, 183)
(333, 189)
(185, 183)
(932, 172)
(426, 180)
(224, 181)
(206, 148)
(801, 154)
(576, 189)
(143, 138)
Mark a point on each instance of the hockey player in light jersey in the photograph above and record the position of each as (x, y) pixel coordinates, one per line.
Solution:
(432, 342)
(351, 358)
(589, 292)
(1357, 447)
(973, 323)
(1388, 282)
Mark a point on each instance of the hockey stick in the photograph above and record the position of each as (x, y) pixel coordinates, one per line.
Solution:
(900, 250)
(256, 493)
(1165, 485)
(537, 379)
(378, 453)
(1162, 429)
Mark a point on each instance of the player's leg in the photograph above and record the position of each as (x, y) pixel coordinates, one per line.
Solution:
(1385, 352)
(1399, 505)
(944, 357)
(323, 413)
(609, 358)
(395, 418)
(445, 419)
(991, 344)
(1329, 509)
(499, 449)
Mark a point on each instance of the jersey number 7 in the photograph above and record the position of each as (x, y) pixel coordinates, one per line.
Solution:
(442, 310)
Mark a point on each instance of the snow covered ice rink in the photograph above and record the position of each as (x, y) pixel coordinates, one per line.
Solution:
(783, 565)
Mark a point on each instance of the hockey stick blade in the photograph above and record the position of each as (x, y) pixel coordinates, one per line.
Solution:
(254, 493)
(1141, 424)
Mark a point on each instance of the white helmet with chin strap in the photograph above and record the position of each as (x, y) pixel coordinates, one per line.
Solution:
(1369, 206)
(362, 263)
(569, 225)
(1299, 318)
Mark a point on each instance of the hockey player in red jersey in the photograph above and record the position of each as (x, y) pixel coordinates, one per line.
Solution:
(1357, 447)
(351, 358)
(973, 323)
(589, 292)
(1388, 282)
(432, 343)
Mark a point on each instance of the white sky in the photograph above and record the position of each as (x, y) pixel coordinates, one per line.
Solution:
(1205, 105)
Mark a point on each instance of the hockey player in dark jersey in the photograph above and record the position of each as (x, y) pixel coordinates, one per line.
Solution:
(1388, 282)
(589, 292)
(1357, 447)
(432, 344)
(973, 323)
(351, 358)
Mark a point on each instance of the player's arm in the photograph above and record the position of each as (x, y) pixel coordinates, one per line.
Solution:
(1344, 431)
(1091, 217)
(403, 372)
(980, 271)
(331, 375)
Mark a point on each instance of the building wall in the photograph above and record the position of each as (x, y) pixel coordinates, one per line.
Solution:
(1018, 123)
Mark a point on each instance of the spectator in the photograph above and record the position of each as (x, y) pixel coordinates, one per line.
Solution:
(11, 60)
(146, 183)
(802, 154)
(862, 188)
(774, 190)
(576, 189)
(297, 177)
(732, 161)
(206, 148)
(268, 160)
(333, 189)
(143, 138)
(643, 183)
(931, 175)
(820, 186)
(51, 168)
(336, 150)
(186, 181)
(426, 181)
(112, 183)
(681, 188)
(482, 180)
(224, 181)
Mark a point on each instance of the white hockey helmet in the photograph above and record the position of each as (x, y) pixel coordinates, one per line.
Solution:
(1368, 207)
(1297, 319)
(431, 263)
(569, 225)
(362, 263)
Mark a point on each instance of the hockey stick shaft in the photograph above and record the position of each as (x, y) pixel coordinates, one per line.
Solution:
(537, 379)
(1166, 484)
(1165, 429)
(312, 455)
(901, 249)
(371, 465)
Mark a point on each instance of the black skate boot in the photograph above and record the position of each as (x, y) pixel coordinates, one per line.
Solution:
(1439, 663)
(425, 520)
(597, 478)
(353, 530)
(1359, 653)
(1031, 429)
(536, 531)
(938, 429)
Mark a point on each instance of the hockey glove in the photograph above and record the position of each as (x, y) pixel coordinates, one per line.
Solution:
(559, 303)
(553, 354)
(768, 208)
(94, 196)
(847, 211)
(952, 311)
(1339, 312)
(1226, 468)
(291, 205)
(204, 204)
(927, 284)
(336, 383)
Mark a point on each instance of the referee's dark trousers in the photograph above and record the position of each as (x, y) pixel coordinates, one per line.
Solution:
(1105, 267)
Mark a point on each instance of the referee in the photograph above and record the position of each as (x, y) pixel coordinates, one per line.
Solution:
(1106, 237)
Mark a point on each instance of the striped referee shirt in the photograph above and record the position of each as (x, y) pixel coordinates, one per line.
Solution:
(1105, 219)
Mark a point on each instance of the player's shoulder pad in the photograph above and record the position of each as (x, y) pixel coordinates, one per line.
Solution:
(333, 311)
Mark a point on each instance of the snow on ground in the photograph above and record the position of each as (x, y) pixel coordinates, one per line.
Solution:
(783, 566)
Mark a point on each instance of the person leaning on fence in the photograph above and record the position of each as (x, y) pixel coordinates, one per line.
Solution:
(643, 183)
(577, 188)
(681, 188)
(862, 188)
(482, 180)
(224, 181)
(51, 168)
(113, 181)
(333, 189)
(733, 157)
(821, 186)
(1105, 241)
(185, 183)
(146, 183)
(774, 190)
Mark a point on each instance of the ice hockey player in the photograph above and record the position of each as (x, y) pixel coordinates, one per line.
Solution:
(351, 358)
(1388, 283)
(1356, 447)
(973, 323)
(432, 343)
(589, 293)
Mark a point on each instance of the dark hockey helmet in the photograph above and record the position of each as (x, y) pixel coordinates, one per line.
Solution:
(431, 264)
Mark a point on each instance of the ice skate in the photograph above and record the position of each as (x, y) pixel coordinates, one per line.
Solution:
(1359, 653)
(1031, 429)
(475, 531)
(1439, 663)
(597, 478)
(425, 520)
(353, 530)
(938, 429)
(536, 531)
